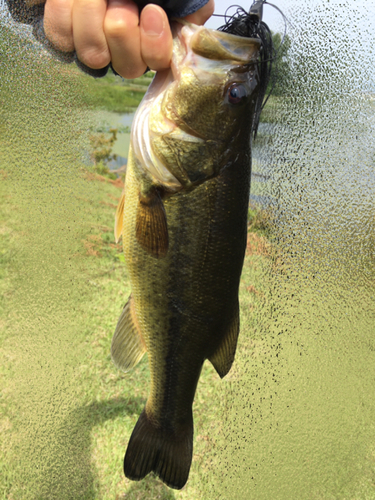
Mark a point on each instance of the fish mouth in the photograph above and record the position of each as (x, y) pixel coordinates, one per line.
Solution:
(150, 123)
(161, 83)
(209, 55)
(163, 80)
(153, 100)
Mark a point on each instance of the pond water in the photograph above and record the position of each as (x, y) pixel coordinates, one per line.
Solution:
(119, 121)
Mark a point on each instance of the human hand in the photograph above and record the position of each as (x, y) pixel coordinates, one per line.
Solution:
(113, 31)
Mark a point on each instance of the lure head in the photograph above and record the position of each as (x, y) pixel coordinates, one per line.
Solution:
(198, 116)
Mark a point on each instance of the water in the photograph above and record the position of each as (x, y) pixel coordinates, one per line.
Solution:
(121, 146)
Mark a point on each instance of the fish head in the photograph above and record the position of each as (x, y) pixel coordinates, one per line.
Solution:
(198, 116)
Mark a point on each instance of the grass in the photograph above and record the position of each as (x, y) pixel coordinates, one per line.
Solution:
(95, 431)
(66, 412)
(271, 111)
(113, 93)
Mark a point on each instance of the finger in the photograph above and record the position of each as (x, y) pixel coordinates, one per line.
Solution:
(121, 28)
(88, 33)
(57, 24)
(203, 14)
(156, 38)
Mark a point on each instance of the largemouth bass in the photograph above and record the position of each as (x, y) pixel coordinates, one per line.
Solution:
(183, 219)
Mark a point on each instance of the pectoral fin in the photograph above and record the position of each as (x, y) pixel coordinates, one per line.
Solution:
(223, 357)
(128, 346)
(151, 224)
(119, 218)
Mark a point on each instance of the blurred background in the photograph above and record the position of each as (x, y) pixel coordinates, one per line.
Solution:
(294, 419)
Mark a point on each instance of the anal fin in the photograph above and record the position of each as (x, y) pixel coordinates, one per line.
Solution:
(151, 224)
(119, 218)
(222, 359)
(128, 346)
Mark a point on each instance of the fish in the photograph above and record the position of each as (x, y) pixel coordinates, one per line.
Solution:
(183, 221)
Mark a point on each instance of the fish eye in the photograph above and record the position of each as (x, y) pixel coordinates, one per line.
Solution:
(236, 93)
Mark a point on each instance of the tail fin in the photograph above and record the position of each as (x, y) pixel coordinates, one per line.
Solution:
(156, 449)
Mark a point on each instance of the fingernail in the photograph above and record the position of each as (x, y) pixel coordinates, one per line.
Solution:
(152, 21)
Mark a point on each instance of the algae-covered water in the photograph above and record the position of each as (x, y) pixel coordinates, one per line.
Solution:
(295, 418)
